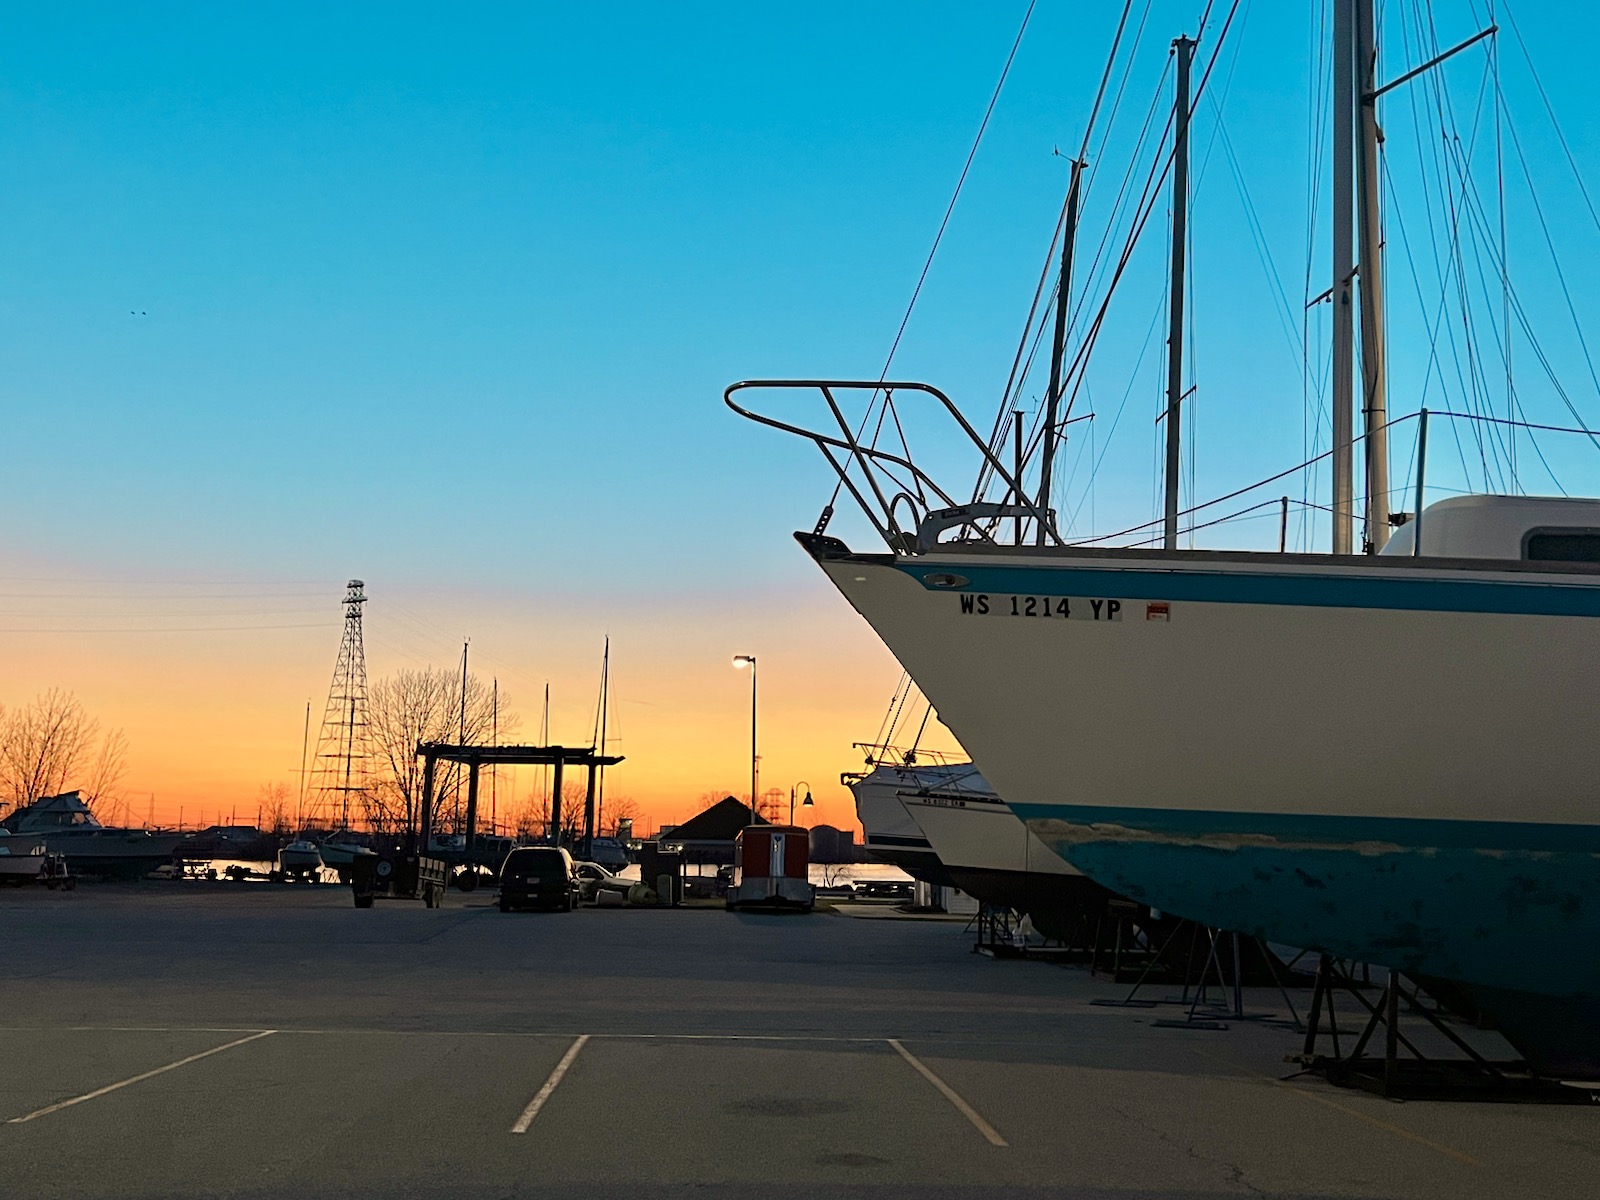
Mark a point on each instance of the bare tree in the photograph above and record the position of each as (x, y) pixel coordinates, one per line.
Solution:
(573, 794)
(274, 801)
(109, 766)
(619, 809)
(410, 707)
(43, 746)
(533, 818)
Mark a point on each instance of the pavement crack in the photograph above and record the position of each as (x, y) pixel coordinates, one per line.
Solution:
(1235, 1172)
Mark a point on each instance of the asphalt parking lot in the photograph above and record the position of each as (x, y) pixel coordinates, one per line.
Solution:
(196, 1040)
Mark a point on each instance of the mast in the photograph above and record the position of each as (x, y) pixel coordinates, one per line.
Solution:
(1183, 47)
(305, 744)
(605, 704)
(494, 740)
(1344, 267)
(1375, 403)
(462, 741)
(1058, 349)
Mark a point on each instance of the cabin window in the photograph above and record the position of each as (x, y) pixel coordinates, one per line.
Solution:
(1562, 545)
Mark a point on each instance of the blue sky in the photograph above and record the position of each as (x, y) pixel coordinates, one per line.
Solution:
(410, 273)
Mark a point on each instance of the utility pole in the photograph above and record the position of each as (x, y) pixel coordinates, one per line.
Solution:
(1183, 47)
(1375, 401)
(1344, 269)
(1058, 348)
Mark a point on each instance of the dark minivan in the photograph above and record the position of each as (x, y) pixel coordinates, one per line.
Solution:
(538, 877)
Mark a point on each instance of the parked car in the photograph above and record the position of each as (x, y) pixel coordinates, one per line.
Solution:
(538, 877)
(593, 878)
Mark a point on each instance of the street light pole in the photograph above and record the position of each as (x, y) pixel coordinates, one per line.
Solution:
(807, 803)
(741, 660)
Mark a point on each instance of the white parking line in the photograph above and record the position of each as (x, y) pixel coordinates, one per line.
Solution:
(182, 1062)
(950, 1094)
(543, 1094)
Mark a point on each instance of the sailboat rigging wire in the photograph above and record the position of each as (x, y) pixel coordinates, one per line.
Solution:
(1153, 186)
(1258, 237)
(1551, 112)
(1401, 420)
(886, 726)
(1036, 436)
(1060, 231)
(1478, 215)
(1555, 261)
(1143, 210)
(944, 223)
(916, 742)
(1284, 474)
(1440, 127)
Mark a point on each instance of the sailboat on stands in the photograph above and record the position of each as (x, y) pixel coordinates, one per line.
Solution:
(1381, 755)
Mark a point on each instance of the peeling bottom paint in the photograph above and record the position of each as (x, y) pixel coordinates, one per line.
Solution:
(1073, 834)
(1509, 918)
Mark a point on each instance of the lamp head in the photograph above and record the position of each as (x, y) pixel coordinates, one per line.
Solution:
(744, 660)
(807, 802)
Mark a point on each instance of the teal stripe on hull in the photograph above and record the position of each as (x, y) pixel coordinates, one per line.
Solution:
(1305, 589)
(1499, 904)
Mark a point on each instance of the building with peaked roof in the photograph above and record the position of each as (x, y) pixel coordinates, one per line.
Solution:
(707, 837)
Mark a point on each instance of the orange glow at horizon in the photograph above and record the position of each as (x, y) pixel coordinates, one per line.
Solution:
(211, 717)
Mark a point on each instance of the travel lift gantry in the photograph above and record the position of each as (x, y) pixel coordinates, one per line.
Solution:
(474, 757)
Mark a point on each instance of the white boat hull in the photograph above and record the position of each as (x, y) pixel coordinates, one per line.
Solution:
(1385, 760)
(890, 834)
(16, 867)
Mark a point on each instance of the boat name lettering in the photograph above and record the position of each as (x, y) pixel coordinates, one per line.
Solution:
(1073, 608)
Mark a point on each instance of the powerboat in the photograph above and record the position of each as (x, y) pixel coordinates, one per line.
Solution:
(21, 859)
(890, 834)
(67, 827)
(341, 848)
(992, 855)
(300, 858)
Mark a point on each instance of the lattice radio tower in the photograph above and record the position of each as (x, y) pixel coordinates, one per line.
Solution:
(339, 772)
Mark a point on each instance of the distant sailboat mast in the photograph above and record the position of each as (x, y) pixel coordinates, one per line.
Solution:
(605, 703)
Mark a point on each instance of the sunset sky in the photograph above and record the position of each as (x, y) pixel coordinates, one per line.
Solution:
(446, 299)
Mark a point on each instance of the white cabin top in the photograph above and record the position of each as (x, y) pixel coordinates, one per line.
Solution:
(1519, 528)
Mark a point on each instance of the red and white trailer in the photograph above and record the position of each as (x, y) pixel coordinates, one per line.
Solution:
(771, 866)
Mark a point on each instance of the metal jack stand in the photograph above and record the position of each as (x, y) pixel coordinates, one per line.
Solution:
(1001, 934)
(997, 933)
(1196, 992)
(1418, 1077)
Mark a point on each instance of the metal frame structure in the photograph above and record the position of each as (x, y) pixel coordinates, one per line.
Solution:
(474, 757)
(877, 466)
(1395, 1076)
